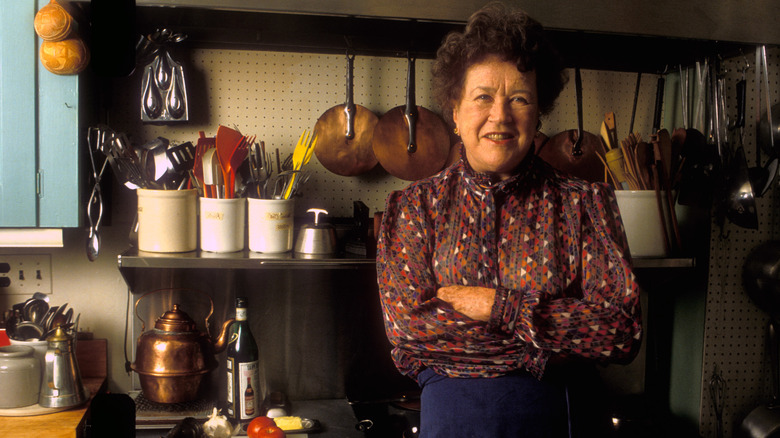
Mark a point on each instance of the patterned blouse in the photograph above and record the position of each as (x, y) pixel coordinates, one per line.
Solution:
(554, 249)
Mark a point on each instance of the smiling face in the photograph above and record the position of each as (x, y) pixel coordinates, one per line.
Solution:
(497, 115)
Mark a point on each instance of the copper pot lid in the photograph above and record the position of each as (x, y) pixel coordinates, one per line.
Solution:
(175, 320)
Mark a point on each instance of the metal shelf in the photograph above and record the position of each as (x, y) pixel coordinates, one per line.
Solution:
(663, 262)
(132, 258)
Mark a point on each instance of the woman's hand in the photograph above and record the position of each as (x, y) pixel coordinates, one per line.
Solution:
(472, 301)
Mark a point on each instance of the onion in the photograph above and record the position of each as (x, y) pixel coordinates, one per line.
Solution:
(218, 426)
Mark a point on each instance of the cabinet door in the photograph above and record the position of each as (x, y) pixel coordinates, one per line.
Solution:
(39, 129)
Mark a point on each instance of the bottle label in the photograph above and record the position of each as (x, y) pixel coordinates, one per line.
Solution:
(248, 374)
(240, 314)
(231, 412)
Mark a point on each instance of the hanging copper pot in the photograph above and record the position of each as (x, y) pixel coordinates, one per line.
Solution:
(344, 134)
(575, 152)
(411, 142)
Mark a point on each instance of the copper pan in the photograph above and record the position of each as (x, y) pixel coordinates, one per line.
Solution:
(575, 152)
(344, 135)
(411, 142)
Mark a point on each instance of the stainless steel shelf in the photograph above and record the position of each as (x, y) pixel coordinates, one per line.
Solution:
(132, 258)
(663, 262)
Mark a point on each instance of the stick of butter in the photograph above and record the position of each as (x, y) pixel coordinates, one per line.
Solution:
(289, 423)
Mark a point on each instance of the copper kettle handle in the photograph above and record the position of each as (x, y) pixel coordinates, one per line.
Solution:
(143, 323)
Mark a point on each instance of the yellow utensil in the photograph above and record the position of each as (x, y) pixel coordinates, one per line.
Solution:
(301, 155)
(604, 133)
(310, 151)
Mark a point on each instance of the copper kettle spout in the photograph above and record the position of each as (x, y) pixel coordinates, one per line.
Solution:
(222, 340)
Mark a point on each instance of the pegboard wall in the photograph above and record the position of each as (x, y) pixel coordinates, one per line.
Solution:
(276, 95)
(735, 329)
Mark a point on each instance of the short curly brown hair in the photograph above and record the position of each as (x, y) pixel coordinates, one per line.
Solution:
(509, 33)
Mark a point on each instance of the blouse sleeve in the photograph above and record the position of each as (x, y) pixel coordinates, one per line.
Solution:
(605, 321)
(417, 323)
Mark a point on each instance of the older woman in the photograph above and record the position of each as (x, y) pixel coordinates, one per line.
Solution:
(500, 277)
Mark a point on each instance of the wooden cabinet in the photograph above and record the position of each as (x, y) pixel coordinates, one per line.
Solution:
(39, 129)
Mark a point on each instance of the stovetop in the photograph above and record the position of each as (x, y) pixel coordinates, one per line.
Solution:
(153, 415)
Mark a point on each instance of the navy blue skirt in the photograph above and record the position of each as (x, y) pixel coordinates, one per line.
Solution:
(515, 405)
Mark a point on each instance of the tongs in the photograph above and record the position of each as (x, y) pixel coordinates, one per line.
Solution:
(95, 198)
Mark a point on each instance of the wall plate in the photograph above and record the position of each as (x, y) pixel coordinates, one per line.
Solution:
(27, 274)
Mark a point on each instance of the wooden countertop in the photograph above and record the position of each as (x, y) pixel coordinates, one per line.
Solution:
(92, 359)
(63, 424)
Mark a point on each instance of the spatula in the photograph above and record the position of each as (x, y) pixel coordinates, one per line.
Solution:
(209, 180)
(228, 140)
(204, 144)
(238, 157)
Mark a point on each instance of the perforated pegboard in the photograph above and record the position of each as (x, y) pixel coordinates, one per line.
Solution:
(735, 329)
(276, 95)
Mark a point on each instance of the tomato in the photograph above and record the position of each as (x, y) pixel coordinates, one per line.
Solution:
(271, 432)
(257, 427)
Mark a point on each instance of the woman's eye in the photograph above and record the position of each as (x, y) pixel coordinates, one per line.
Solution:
(520, 99)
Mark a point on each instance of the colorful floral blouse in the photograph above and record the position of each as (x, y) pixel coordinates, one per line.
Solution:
(554, 249)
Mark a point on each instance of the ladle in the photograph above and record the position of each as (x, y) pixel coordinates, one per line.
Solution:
(762, 176)
(28, 330)
(10, 325)
(741, 208)
(34, 310)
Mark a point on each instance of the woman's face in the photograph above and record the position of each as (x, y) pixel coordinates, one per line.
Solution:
(497, 115)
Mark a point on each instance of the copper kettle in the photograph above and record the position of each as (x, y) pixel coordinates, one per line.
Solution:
(172, 359)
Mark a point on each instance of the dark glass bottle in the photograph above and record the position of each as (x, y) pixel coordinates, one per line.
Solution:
(243, 372)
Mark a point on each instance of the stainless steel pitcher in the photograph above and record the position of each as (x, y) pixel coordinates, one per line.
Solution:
(61, 385)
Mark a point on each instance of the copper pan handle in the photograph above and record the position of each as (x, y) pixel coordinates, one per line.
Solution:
(349, 105)
(410, 114)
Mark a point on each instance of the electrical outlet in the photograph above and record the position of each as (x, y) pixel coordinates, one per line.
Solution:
(27, 274)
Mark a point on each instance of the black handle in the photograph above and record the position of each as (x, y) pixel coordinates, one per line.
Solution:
(410, 113)
(659, 102)
(741, 90)
(349, 105)
(636, 97)
(774, 356)
(577, 149)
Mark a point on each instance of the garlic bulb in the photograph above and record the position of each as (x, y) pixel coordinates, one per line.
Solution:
(218, 426)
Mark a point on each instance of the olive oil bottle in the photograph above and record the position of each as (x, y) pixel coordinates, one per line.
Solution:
(243, 371)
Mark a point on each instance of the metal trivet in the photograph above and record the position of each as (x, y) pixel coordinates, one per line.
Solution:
(150, 412)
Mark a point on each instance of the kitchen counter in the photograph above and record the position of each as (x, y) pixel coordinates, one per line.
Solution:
(335, 417)
(91, 355)
(70, 423)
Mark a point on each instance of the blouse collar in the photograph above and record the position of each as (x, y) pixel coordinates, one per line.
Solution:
(522, 174)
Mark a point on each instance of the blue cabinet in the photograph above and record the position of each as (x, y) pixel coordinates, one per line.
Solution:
(39, 129)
